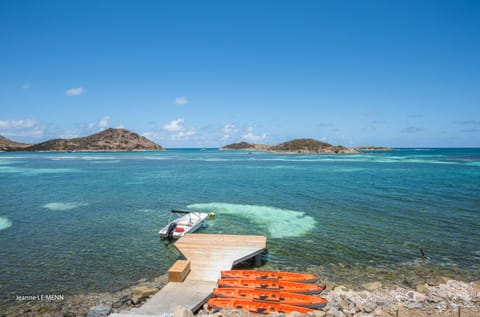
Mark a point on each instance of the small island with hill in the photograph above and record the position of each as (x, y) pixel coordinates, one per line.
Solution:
(9, 145)
(109, 140)
(303, 146)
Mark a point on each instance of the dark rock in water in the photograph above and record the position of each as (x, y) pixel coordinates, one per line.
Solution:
(372, 286)
(101, 310)
(410, 283)
(433, 281)
(422, 288)
(141, 293)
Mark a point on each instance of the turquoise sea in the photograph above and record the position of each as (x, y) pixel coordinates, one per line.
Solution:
(73, 223)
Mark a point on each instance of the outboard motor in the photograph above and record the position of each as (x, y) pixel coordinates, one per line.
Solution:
(171, 230)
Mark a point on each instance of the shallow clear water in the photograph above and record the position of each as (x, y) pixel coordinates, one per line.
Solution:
(84, 222)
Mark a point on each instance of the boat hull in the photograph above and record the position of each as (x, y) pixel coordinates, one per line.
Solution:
(189, 223)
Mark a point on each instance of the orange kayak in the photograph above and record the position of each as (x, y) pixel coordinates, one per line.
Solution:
(254, 307)
(280, 297)
(262, 275)
(270, 285)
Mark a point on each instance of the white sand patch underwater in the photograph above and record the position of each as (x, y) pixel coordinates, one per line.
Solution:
(5, 223)
(64, 206)
(279, 223)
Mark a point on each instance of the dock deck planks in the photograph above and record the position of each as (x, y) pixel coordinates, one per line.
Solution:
(209, 254)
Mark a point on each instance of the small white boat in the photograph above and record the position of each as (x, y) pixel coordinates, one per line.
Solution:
(187, 222)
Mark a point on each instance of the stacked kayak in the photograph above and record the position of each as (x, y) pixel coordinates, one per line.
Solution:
(271, 296)
(262, 275)
(254, 306)
(267, 292)
(272, 285)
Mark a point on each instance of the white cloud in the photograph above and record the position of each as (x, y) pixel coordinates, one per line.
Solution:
(75, 91)
(17, 124)
(25, 128)
(182, 135)
(102, 124)
(177, 130)
(69, 134)
(229, 128)
(175, 125)
(181, 100)
(25, 86)
(153, 136)
(249, 136)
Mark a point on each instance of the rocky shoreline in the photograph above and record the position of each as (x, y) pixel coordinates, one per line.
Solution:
(435, 297)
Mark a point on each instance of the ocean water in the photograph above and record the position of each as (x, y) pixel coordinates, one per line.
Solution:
(88, 222)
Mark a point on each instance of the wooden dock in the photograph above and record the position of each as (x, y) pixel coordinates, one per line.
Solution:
(209, 254)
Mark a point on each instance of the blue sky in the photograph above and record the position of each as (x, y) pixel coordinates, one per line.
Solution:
(209, 73)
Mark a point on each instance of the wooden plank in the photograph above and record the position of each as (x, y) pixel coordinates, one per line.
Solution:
(212, 253)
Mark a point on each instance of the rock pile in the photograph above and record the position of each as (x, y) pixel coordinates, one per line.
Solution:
(375, 300)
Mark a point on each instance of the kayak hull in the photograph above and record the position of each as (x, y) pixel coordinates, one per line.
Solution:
(254, 306)
(286, 298)
(271, 285)
(264, 275)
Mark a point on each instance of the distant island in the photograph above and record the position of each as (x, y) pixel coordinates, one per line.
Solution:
(107, 140)
(303, 146)
(245, 146)
(9, 145)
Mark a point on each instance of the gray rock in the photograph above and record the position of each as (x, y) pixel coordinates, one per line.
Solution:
(335, 313)
(413, 305)
(181, 311)
(319, 313)
(329, 286)
(339, 288)
(368, 306)
(372, 286)
(476, 286)
(378, 311)
(382, 303)
(432, 281)
(101, 310)
(422, 288)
